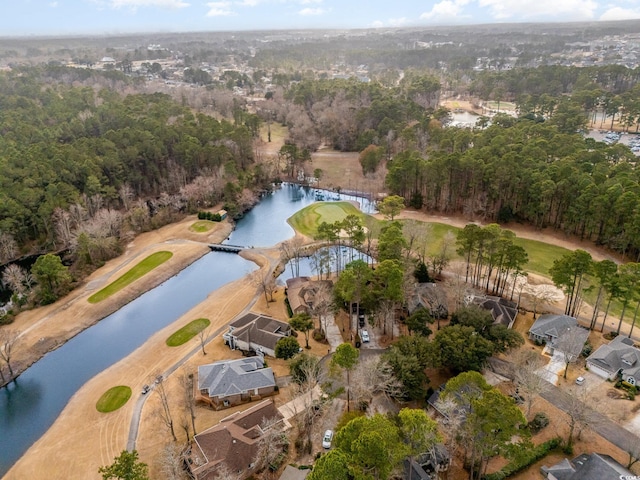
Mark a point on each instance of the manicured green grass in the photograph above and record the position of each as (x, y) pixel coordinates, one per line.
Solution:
(541, 255)
(307, 220)
(113, 399)
(142, 268)
(187, 332)
(202, 226)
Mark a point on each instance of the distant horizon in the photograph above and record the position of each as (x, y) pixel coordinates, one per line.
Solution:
(81, 18)
(435, 28)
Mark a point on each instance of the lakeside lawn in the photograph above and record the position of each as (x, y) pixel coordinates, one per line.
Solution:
(187, 332)
(202, 226)
(307, 220)
(141, 269)
(113, 399)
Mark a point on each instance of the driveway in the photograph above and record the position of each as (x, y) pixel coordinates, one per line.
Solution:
(553, 369)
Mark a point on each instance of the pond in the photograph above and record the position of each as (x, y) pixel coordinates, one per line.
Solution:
(30, 405)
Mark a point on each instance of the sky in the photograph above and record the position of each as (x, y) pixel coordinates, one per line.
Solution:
(70, 17)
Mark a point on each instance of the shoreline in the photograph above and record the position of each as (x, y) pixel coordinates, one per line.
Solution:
(42, 320)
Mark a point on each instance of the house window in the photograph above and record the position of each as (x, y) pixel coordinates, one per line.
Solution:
(631, 381)
(225, 403)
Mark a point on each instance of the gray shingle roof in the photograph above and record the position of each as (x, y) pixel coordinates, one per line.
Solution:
(230, 377)
(595, 466)
(610, 357)
(553, 325)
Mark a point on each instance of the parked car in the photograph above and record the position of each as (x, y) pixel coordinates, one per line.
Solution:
(579, 380)
(327, 439)
(361, 320)
(145, 389)
(364, 335)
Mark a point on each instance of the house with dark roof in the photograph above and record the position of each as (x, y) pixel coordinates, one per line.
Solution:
(429, 296)
(594, 466)
(429, 465)
(502, 311)
(619, 358)
(233, 443)
(551, 329)
(233, 382)
(256, 333)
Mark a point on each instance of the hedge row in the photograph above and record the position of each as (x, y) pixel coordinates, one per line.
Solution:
(525, 459)
(214, 217)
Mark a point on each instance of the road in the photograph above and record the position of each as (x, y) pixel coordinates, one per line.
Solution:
(599, 423)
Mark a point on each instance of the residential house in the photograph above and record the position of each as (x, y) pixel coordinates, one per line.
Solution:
(302, 291)
(559, 332)
(619, 358)
(594, 466)
(233, 382)
(503, 311)
(256, 333)
(430, 297)
(233, 443)
(429, 465)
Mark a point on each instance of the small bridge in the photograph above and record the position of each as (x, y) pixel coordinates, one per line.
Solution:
(218, 247)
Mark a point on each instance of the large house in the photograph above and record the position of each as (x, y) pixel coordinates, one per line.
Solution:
(595, 466)
(502, 311)
(256, 333)
(233, 443)
(302, 291)
(232, 382)
(618, 358)
(559, 332)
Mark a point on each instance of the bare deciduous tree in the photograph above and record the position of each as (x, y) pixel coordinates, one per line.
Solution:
(371, 376)
(265, 281)
(525, 364)
(8, 247)
(271, 443)
(322, 304)
(578, 413)
(171, 461)
(189, 398)
(126, 194)
(540, 295)
(14, 277)
(570, 344)
(8, 341)
(203, 335)
(165, 411)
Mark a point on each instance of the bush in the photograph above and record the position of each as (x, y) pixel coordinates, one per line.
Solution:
(318, 336)
(586, 350)
(539, 422)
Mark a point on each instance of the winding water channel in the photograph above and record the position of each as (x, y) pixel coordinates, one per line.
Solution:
(29, 406)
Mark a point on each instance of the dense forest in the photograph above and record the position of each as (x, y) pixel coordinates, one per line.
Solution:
(72, 155)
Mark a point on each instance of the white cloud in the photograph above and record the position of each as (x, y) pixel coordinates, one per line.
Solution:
(377, 24)
(619, 13)
(148, 3)
(53, 4)
(541, 9)
(220, 9)
(305, 12)
(308, 2)
(249, 3)
(446, 10)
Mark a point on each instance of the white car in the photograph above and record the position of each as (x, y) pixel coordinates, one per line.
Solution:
(364, 335)
(326, 440)
(579, 380)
